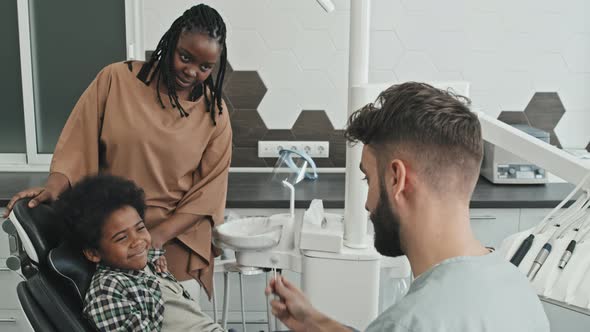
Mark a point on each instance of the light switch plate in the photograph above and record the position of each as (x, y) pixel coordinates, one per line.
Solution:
(317, 149)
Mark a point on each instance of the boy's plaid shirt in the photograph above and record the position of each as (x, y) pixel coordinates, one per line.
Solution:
(127, 300)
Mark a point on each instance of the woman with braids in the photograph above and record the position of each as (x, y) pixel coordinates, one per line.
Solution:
(162, 124)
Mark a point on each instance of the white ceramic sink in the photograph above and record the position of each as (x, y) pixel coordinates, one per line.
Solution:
(251, 233)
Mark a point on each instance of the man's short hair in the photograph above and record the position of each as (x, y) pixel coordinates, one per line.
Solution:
(86, 206)
(433, 127)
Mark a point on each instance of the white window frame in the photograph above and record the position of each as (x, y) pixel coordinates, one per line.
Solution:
(32, 160)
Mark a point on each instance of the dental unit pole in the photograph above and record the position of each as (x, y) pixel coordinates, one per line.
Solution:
(345, 284)
(355, 215)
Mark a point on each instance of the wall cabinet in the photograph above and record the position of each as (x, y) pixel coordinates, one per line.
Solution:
(530, 218)
(492, 226)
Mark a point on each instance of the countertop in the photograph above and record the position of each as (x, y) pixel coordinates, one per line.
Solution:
(254, 190)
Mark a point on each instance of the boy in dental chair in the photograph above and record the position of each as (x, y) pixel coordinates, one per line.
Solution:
(131, 289)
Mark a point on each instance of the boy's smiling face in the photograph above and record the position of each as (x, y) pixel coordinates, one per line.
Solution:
(124, 241)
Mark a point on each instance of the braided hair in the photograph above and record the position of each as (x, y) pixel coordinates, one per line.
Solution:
(200, 18)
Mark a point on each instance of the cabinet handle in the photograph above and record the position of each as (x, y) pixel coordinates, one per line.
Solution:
(482, 218)
(8, 320)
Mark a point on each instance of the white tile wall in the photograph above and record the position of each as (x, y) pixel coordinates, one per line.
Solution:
(506, 49)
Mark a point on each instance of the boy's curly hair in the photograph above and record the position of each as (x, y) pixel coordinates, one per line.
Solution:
(86, 206)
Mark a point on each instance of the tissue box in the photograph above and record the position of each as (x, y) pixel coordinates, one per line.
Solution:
(328, 238)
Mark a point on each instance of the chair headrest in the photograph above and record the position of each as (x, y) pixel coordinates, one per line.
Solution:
(71, 264)
(37, 228)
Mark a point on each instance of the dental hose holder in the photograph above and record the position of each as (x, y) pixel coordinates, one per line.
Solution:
(295, 164)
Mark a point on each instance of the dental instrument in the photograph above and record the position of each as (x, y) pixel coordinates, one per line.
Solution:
(565, 222)
(569, 251)
(526, 245)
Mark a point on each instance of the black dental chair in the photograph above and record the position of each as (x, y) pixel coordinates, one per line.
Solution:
(57, 277)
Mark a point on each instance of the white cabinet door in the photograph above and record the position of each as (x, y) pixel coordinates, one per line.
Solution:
(492, 226)
(564, 319)
(8, 281)
(14, 321)
(4, 250)
(532, 217)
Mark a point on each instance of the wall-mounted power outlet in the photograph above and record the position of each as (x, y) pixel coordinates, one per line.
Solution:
(270, 149)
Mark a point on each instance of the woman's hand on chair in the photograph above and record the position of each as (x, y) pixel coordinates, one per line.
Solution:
(38, 195)
(56, 184)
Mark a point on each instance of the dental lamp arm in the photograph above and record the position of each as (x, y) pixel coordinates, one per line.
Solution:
(534, 150)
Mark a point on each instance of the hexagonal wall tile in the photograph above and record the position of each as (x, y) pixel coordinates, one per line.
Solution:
(311, 16)
(571, 129)
(275, 26)
(245, 89)
(416, 66)
(281, 70)
(248, 128)
(414, 31)
(547, 71)
(312, 125)
(317, 92)
(279, 108)
(279, 135)
(338, 148)
(339, 30)
(228, 72)
(544, 112)
(250, 47)
(314, 49)
(514, 117)
(577, 52)
(515, 89)
(451, 50)
(554, 140)
(387, 50)
(247, 157)
(338, 70)
(228, 105)
(384, 13)
(573, 91)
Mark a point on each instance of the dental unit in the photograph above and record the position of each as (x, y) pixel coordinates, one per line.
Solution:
(342, 246)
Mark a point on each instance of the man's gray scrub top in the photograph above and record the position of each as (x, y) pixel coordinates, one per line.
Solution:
(482, 293)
